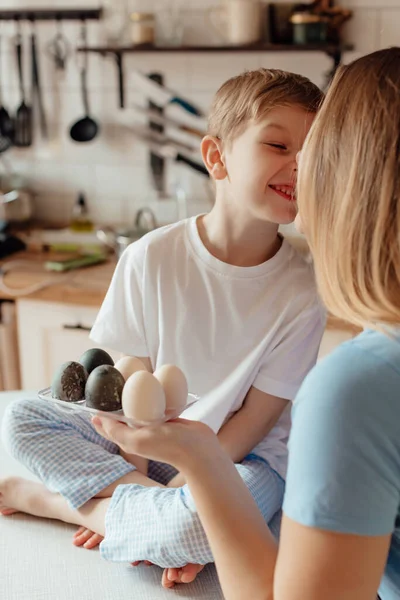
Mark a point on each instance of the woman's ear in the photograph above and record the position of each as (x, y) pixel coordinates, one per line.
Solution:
(211, 151)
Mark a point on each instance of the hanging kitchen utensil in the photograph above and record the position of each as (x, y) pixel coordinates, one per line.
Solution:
(23, 118)
(86, 129)
(166, 148)
(6, 123)
(59, 49)
(161, 95)
(157, 162)
(36, 88)
(159, 118)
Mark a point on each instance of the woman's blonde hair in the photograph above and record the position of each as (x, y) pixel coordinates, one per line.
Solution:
(349, 192)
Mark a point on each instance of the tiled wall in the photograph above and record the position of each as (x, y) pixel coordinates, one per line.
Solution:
(113, 170)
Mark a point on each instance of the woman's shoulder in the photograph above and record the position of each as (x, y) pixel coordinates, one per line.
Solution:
(360, 371)
(344, 459)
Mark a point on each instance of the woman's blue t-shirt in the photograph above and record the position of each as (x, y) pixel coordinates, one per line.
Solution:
(344, 449)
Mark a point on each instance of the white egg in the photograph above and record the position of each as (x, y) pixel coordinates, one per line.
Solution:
(175, 386)
(143, 397)
(128, 365)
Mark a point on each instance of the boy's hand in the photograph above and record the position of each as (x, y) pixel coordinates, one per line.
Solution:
(179, 443)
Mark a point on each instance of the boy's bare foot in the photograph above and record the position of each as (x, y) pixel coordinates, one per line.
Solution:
(185, 574)
(87, 538)
(22, 495)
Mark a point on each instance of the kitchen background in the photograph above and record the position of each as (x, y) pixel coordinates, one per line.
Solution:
(45, 317)
(113, 170)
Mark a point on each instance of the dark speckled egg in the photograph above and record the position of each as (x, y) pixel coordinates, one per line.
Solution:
(104, 388)
(95, 357)
(69, 382)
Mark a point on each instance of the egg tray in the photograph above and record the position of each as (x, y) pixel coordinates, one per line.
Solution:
(117, 415)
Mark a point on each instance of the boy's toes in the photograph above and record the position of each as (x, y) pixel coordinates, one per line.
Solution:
(186, 574)
(6, 512)
(94, 541)
(82, 536)
(169, 578)
(190, 572)
(87, 538)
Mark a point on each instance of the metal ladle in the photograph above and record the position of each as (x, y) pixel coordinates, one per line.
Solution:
(86, 129)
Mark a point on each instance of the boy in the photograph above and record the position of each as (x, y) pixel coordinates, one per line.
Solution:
(224, 297)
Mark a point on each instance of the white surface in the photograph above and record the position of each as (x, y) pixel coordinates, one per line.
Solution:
(39, 562)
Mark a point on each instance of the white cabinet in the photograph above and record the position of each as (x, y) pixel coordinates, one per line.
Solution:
(50, 334)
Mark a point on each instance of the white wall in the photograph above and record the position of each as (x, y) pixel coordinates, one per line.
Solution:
(113, 169)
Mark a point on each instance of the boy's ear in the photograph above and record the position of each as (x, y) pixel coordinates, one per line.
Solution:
(211, 151)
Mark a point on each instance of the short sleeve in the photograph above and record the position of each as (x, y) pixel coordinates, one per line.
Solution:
(119, 324)
(344, 448)
(285, 367)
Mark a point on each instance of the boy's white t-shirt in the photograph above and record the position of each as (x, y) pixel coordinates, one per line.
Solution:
(227, 327)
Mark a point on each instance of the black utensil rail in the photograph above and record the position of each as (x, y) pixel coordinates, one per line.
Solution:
(51, 14)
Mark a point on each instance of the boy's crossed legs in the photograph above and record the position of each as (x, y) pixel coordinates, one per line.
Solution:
(81, 470)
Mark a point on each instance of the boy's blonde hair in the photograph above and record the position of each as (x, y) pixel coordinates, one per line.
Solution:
(349, 191)
(252, 94)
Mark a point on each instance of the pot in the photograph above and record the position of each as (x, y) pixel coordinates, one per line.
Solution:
(15, 205)
(119, 239)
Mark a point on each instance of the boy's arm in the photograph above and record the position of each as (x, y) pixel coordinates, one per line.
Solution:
(251, 424)
(247, 427)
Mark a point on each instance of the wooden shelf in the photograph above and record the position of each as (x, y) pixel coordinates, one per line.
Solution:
(326, 48)
(334, 51)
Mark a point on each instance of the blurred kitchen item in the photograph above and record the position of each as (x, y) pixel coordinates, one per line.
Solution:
(76, 262)
(23, 118)
(143, 28)
(120, 239)
(5, 144)
(171, 151)
(86, 129)
(281, 29)
(168, 121)
(9, 356)
(166, 147)
(80, 219)
(15, 199)
(170, 25)
(157, 162)
(160, 94)
(115, 21)
(36, 86)
(309, 28)
(6, 122)
(145, 134)
(336, 17)
(15, 205)
(9, 244)
(59, 49)
(239, 22)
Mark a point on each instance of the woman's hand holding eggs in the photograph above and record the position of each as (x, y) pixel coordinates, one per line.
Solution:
(148, 397)
(144, 397)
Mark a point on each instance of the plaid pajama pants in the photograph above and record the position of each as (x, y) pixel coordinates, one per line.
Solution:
(142, 523)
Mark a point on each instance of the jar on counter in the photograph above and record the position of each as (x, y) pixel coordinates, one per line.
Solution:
(143, 28)
(309, 28)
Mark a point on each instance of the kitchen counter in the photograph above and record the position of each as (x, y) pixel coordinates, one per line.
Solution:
(86, 286)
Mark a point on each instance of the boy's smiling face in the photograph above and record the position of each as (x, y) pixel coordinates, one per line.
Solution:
(261, 164)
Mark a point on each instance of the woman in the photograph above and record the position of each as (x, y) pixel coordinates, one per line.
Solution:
(340, 536)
